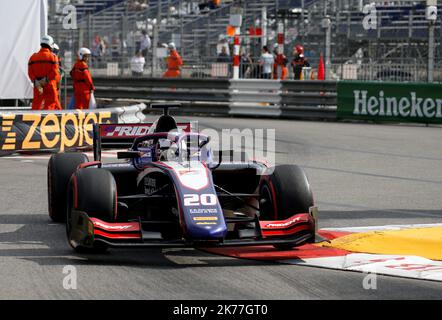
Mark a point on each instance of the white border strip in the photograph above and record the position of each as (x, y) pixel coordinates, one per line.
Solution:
(383, 228)
(391, 265)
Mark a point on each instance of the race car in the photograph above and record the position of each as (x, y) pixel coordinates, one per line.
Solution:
(170, 191)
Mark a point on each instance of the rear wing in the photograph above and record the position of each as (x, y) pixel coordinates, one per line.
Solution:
(122, 136)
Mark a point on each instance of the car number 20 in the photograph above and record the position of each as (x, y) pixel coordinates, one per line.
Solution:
(194, 200)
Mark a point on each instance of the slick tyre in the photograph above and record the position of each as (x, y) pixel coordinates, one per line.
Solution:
(61, 166)
(284, 192)
(94, 192)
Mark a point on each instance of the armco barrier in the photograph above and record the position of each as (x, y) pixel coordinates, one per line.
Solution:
(58, 130)
(392, 102)
(247, 97)
(309, 99)
(159, 89)
(255, 98)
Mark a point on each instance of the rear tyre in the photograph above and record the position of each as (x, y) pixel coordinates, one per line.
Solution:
(284, 193)
(94, 192)
(61, 166)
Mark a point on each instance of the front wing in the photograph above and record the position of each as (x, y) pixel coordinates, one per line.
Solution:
(87, 231)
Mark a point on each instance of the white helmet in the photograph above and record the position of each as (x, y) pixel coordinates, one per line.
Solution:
(276, 46)
(84, 51)
(172, 46)
(47, 40)
(55, 47)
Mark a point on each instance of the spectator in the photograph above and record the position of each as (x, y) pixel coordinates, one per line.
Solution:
(203, 7)
(145, 43)
(223, 56)
(98, 49)
(137, 64)
(137, 5)
(214, 4)
(266, 61)
(246, 64)
(115, 47)
(222, 42)
(209, 5)
(163, 56)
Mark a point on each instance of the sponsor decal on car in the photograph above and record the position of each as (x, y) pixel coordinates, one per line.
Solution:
(125, 131)
(197, 200)
(115, 227)
(206, 223)
(203, 211)
(283, 225)
(133, 130)
(205, 218)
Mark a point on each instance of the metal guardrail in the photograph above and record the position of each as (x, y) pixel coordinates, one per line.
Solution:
(309, 99)
(273, 98)
(145, 83)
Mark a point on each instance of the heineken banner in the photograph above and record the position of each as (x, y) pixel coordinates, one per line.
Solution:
(397, 102)
(60, 130)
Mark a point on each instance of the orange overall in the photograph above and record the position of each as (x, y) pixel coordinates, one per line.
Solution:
(280, 61)
(83, 84)
(174, 63)
(44, 64)
(58, 79)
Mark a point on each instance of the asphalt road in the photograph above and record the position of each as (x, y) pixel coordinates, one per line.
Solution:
(361, 174)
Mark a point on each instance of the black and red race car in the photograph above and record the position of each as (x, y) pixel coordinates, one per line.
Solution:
(170, 192)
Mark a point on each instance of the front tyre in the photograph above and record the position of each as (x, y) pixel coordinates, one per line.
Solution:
(284, 192)
(61, 166)
(94, 192)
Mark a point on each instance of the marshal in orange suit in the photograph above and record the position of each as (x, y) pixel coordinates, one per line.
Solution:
(174, 63)
(44, 74)
(83, 84)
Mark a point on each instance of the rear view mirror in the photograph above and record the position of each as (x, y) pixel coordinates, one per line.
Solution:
(128, 155)
(203, 143)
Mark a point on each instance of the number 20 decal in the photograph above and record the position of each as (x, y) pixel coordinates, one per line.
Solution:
(193, 200)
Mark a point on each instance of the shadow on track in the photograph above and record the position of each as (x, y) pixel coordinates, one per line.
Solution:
(37, 239)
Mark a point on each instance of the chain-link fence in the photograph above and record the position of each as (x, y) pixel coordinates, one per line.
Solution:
(114, 35)
(411, 70)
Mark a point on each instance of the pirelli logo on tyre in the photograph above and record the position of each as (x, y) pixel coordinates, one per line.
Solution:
(36, 131)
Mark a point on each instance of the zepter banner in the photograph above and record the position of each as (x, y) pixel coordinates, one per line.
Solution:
(50, 131)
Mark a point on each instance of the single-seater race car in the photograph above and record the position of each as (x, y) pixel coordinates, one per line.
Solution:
(170, 192)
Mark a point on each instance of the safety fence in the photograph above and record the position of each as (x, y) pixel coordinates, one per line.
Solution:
(38, 131)
(394, 70)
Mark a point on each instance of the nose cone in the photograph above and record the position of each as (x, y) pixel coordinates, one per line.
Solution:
(206, 230)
